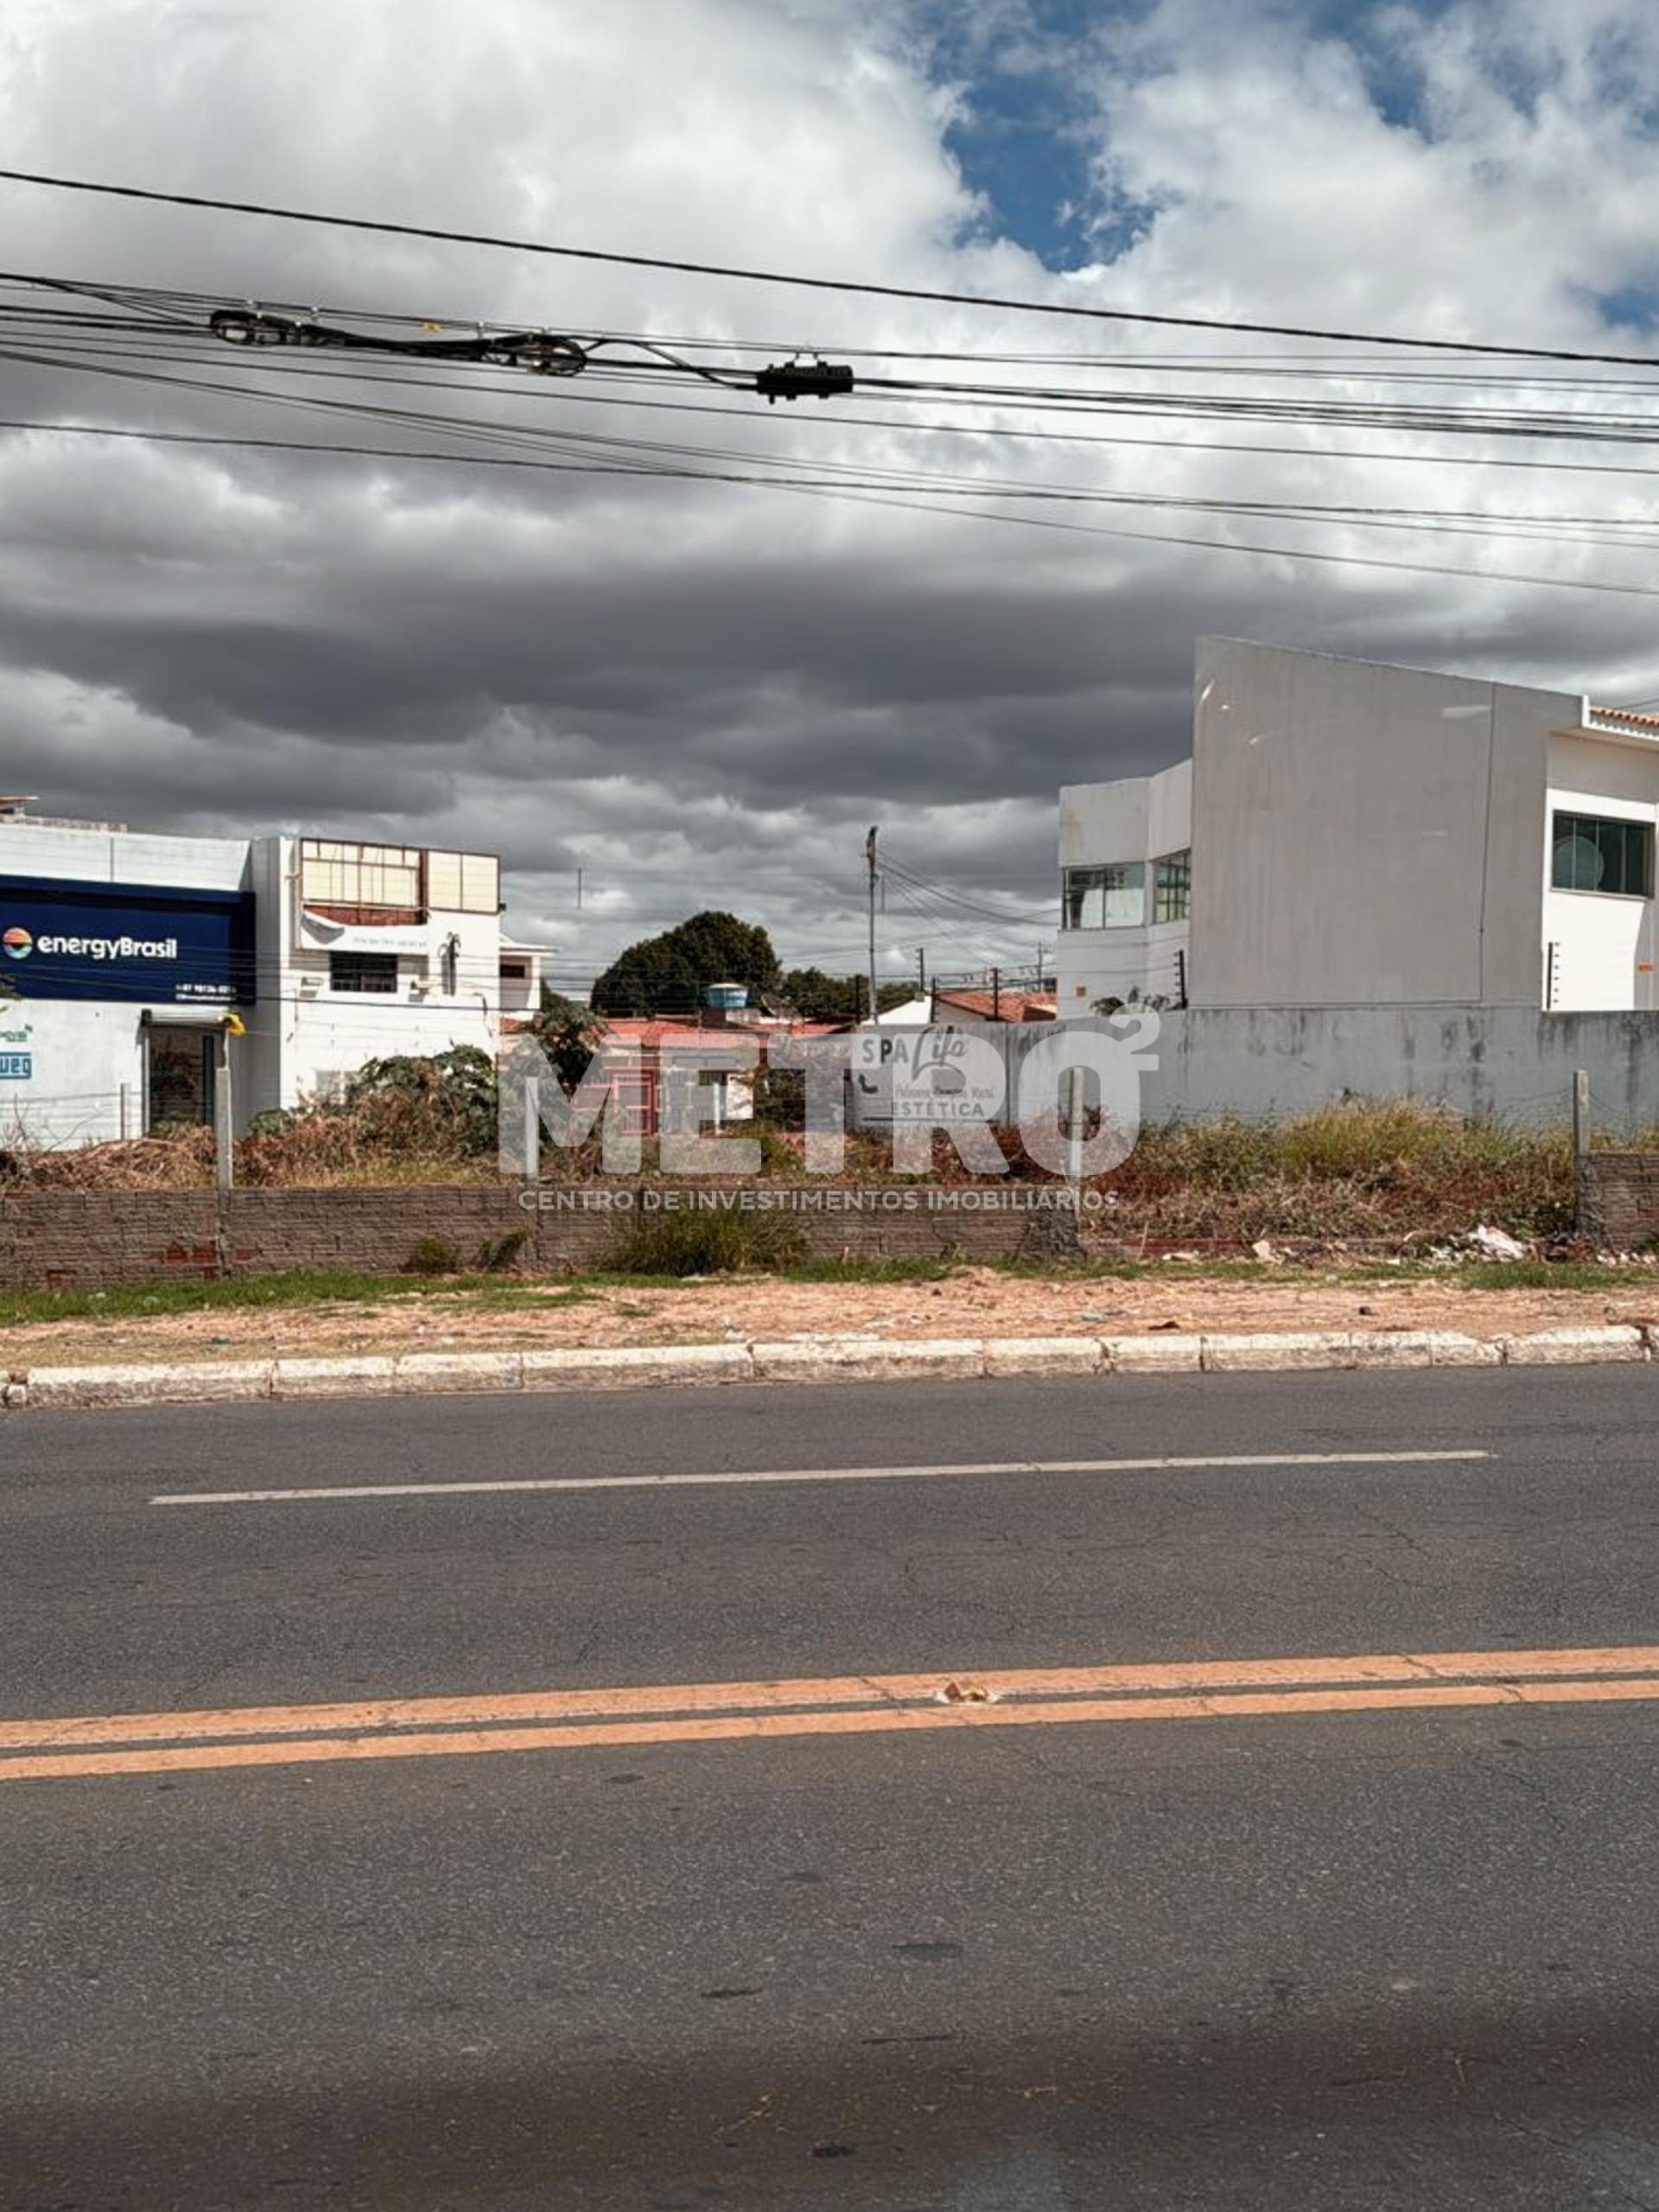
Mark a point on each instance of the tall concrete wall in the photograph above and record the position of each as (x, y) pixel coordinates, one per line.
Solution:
(1487, 1063)
(1365, 836)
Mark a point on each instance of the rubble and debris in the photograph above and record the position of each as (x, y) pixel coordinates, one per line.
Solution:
(1497, 1244)
(968, 1692)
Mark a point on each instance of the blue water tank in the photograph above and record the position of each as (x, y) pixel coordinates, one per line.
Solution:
(726, 998)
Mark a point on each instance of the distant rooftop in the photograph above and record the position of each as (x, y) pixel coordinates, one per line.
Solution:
(1004, 1005)
(13, 814)
(1625, 718)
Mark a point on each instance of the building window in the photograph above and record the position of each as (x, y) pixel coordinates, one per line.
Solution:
(1593, 852)
(1113, 897)
(463, 883)
(337, 874)
(363, 971)
(1172, 892)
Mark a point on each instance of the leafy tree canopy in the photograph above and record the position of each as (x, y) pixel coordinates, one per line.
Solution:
(561, 1008)
(819, 997)
(667, 975)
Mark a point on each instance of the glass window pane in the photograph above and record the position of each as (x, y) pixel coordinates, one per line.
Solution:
(1125, 894)
(1173, 888)
(1084, 898)
(1604, 853)
(443, 882)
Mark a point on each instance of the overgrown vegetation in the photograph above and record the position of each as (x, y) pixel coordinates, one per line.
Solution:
(1359, 1170)
(1389, 1172)
(401, 1120)
(695, 1240)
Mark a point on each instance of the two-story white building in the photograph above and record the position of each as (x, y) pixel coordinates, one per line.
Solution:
(125, 954)
(1349, 834)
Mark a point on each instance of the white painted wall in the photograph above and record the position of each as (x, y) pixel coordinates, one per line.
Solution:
(324, 1035)
(1603, 943)
(1364, 835)
(1135, 818)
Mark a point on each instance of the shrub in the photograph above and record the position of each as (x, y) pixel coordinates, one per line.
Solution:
(447, 1102)
(690, 1241)
(501, 1251)
(433, 1256)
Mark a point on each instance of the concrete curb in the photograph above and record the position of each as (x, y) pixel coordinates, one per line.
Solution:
(832, 1359)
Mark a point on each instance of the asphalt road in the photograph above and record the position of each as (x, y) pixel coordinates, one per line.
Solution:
(820, 1940)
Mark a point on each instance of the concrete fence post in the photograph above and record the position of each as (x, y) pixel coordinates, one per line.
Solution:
(224, 1120)
(1580, 1142)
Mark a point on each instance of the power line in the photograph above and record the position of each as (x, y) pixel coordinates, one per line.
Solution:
(861, 492)
(1530, 424)
(670, 462)
(866, 290)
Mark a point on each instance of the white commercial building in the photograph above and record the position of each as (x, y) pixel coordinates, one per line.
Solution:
(127, 956)
(1351, 835)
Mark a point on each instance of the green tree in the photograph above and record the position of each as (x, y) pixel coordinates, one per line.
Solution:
(668, 973)
(568, 1033)
(555, 1004)
(819, 997)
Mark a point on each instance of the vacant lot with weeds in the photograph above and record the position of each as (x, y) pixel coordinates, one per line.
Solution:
(1371, 1172)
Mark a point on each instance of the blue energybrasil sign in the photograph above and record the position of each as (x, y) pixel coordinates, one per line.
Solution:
(134, 943)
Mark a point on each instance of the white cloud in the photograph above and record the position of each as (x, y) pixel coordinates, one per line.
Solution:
(704, 693)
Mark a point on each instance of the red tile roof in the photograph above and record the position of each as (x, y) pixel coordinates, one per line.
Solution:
(1632, 715)
(998, 1006)
(649, 1033)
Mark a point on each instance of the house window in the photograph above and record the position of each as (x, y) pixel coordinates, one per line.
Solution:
(1593, 852)
(363, 971)
(1172, 892)
(1113, 897)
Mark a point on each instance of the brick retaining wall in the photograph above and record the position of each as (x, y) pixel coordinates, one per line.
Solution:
(90, 1241)
(1618, 1199)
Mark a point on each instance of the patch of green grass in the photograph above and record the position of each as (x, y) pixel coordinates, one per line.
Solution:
(1544, 1274)
(490, 1293)
(293, 1287)
(691, 1241)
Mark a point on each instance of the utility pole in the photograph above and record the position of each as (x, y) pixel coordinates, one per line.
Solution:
(921, 969)
(996, 994)
(869, 855)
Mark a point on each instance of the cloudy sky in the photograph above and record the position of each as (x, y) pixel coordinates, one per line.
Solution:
(703, 693)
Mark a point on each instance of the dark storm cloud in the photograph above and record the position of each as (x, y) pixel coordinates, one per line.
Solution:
(703, 694)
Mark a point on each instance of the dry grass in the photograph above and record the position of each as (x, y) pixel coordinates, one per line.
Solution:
(1386, 1171)
(1356, 1171)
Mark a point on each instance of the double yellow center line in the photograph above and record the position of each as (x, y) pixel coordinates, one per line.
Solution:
(838, 1705)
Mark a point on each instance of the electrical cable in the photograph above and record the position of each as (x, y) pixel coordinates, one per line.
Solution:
(864, 289)
(495, 433)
